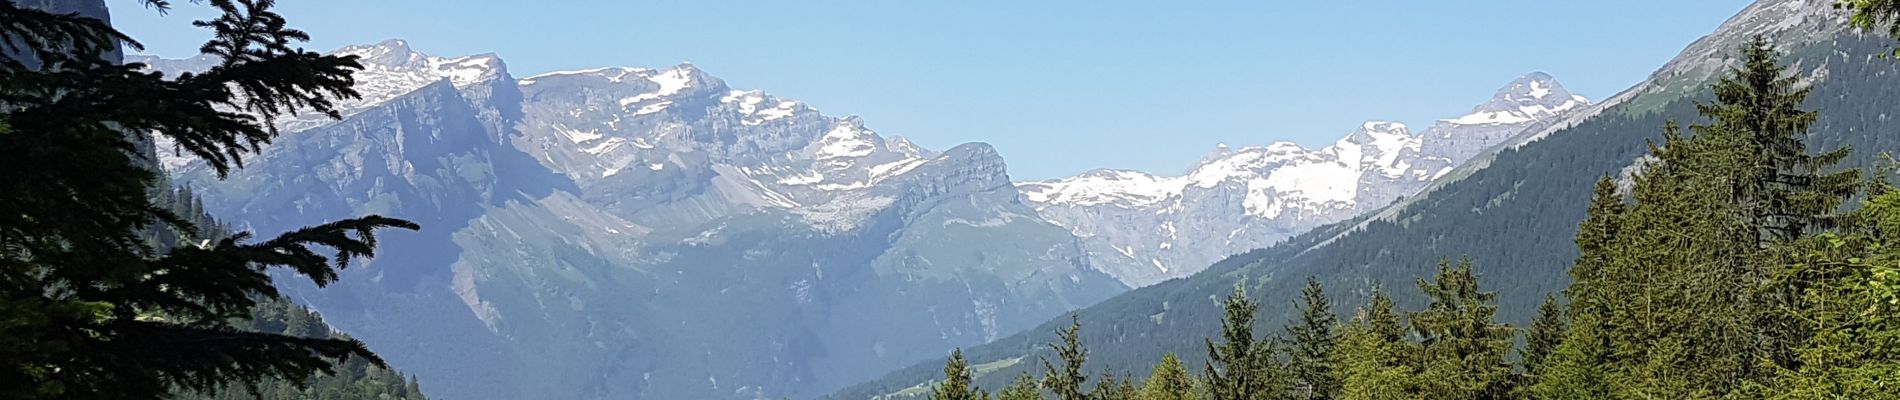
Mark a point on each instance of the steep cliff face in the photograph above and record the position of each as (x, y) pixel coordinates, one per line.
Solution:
(647, 233)
(87, 8)
(1513, 208)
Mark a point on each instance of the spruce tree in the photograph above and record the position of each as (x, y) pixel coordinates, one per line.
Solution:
(956, 384)
(412, 389)
(1785, 190)
(1310, 354)
(94, 307)
(1683, 299)
(1462, 349)
(1851, 304)
(1111, 388)
(1022, 388)
(1578, 367)
(1682, 269)
(1594, 237)
(1066, 380)
(1169, 381)
(1546, 333)
(1242, 367)
(1375, 361)
(297, 322)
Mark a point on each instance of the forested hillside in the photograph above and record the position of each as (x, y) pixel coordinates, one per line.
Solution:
(1515, 219)
(353, 378)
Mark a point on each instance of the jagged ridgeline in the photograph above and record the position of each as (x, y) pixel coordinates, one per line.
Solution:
(1514, 210)
(647, 233)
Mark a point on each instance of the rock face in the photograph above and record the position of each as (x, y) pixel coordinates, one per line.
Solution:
(654, 233)
(646, 233)
(1144, 228)
(95, 9)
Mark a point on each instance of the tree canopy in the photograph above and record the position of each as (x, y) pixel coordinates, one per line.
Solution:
(90, 305)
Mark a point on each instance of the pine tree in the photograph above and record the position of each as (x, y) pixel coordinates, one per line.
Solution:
(1170, 381)
(1681, 297)
(1110, 388)
(95, 307)
(298, 322)
(1310, 358)
(1784, 189)
(1462, 350)
(1851, 304)
(412, 389)
(1594, 237)
(1578, 367)
(1682, 267)
(956, 381)
(1066, 381)
(1546, 333)
(1375, 362)
(1242, 367)
(1023, 388)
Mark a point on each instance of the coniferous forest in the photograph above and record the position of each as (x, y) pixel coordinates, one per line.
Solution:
(1738, 259)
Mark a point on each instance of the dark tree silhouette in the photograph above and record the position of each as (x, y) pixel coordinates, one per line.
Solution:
(90, 305)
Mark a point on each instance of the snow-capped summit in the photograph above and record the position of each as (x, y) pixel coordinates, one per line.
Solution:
(1526, 101)
(724, 150)
(393, 59)
(1144, 228)
(1372, 129)
(1103, 186)
(1533, 97)
(391, 68)
(573, 211)
(386, 52)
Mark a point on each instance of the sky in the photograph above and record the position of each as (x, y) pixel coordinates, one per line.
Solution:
(1061, 86)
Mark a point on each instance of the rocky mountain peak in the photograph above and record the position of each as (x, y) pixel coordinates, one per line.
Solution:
(1377, 131)
(1536, 89)
(1533, 97)
(1241, 198)
(390, 52)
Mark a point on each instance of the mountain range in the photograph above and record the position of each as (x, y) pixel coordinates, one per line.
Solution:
(1144, 228)
(1513, 208)
(630, 232)
(645, 233)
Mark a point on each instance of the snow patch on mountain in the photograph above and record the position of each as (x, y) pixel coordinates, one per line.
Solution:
(1104, 186)
(1148, 228)
(391, 68)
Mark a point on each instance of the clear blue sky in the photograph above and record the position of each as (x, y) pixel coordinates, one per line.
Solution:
(1059, 87)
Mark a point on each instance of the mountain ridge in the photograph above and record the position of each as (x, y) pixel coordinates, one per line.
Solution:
(1513, 208)
(1239, 199)
(592, 221)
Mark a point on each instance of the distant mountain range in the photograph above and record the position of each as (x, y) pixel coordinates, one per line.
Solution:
(654, 233)
(646, 233)
(1512, 205)
(1144, 228)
